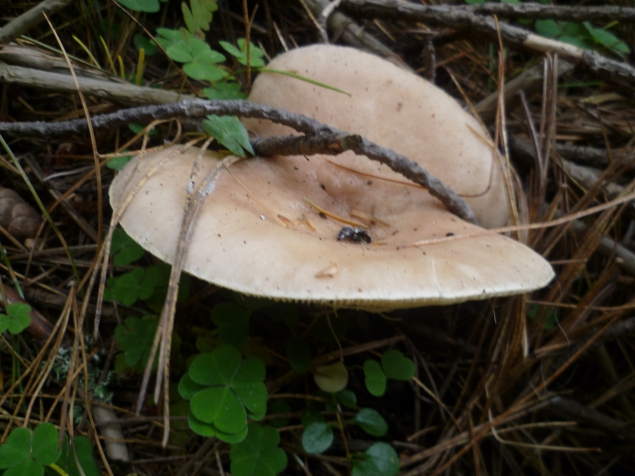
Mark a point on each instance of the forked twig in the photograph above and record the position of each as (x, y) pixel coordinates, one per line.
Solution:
(319, 138)
(118, 212)
(163, 336)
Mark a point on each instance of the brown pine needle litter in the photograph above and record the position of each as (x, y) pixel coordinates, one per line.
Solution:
(535, 384)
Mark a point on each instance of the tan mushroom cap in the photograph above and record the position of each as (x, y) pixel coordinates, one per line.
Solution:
(393, 108)
(238, 245)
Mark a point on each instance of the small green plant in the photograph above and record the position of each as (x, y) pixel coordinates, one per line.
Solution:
(223, 392)
(229, 131)
(583, 35)
(27, 453)
(16, 319)
(378, 460)
(394, 365)
(317, 436)
(258, 454)
(124, 249)
(148, 6)
(148, 284)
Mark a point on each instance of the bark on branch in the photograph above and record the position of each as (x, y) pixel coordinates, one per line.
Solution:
(319, 138)
(471, 24)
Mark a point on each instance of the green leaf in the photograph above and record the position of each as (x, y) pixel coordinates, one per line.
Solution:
(26, 468)
(167, 38)
(45, 441)
(125, 288)
(317, 437)
(201, 428)
(378, 460)
(215, 368)
(148, 6)
(199, 17)
(224, 90)
(375, 378)
(84, 452)
(16, 319)
(154, 286)
(397, 366)
(258, 454)
(347, 398)
(230, 132)
(249, 387)
(607, 39)
(124, 249)
(202, 66)
(371, 422)
(548, 28)
(240, 53)
(298, 355)
(220, 406)
(232, 321)
(232, 437)
(135, 337)
(118, 163)
(179, 51)
(188, 387)
(331, 378)
(191, 23)
(17, 448)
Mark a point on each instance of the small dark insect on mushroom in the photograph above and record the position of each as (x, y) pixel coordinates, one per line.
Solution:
(356, 235)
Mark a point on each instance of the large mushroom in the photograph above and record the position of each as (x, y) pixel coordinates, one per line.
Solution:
(268, 228)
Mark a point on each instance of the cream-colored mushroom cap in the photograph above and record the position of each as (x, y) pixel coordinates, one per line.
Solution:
(393, 108)
(239, 245)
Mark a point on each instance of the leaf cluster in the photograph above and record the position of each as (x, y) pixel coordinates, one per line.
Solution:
(224, 391)
(27, 453)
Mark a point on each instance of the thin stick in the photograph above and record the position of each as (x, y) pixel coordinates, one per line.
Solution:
(531, 226)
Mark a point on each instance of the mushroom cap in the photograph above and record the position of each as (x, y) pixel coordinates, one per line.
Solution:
(393, 108)
(238, 245)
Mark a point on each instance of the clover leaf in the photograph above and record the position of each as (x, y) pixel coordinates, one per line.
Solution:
(124, 249)
(240, 53)
(26, 453)
(16, 319)
(135, 337)
(378, 460)
(224, 90)
(258, 454)
(371, 422)
(200, 15)
(82, 452)
(223, 392)
(317, 437)
(375, 378)
(148, 6)
(17, 449)
(45, 442)
(230, 132)
(397, 366)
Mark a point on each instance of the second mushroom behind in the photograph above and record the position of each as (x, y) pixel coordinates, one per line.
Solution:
(395, 109)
